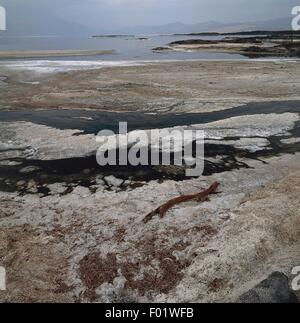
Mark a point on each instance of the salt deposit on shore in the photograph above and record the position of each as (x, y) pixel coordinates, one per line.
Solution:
(80, 237)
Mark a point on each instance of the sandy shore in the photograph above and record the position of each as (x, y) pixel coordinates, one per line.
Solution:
(70, 232)
(53, 53)
(203, 86)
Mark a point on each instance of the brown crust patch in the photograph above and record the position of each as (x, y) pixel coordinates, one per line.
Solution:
(142, 276)
(95, 271)
(216, 285)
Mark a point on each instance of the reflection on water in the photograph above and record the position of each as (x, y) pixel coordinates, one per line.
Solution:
(127, 48)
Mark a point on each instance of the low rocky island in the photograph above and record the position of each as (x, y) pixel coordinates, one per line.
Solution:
(273, 45)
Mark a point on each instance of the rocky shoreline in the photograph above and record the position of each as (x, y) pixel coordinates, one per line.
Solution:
(273, 45)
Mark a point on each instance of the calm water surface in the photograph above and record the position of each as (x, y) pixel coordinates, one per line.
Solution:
(127, 48)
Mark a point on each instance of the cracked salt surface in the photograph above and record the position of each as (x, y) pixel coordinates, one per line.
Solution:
(31, 141)
(250, 144)
(69, 158)
(290, 141)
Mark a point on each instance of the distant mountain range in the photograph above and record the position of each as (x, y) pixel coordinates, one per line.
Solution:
(55, 26)
(210, 26)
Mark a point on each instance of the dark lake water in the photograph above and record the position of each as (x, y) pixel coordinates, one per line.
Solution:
(94, 121)
(127, 48)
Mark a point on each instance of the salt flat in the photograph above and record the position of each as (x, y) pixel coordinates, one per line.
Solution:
(80, 236)
(52, 53)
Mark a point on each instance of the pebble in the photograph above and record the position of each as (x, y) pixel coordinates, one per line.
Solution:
(28, 169)
(113, 181)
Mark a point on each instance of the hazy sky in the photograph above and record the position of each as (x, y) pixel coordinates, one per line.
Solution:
(121, 13)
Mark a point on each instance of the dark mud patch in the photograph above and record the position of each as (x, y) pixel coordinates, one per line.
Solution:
(85, 171)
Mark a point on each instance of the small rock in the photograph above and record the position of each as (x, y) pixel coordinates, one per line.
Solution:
(33, 190)
(275, 289)
(56, 188)
(161, 49)
(32, 187)
(99, 180)
(28, 169)
(31, 184)
(113, 181)
(14, 163)
(82, 191)
(21, 183)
